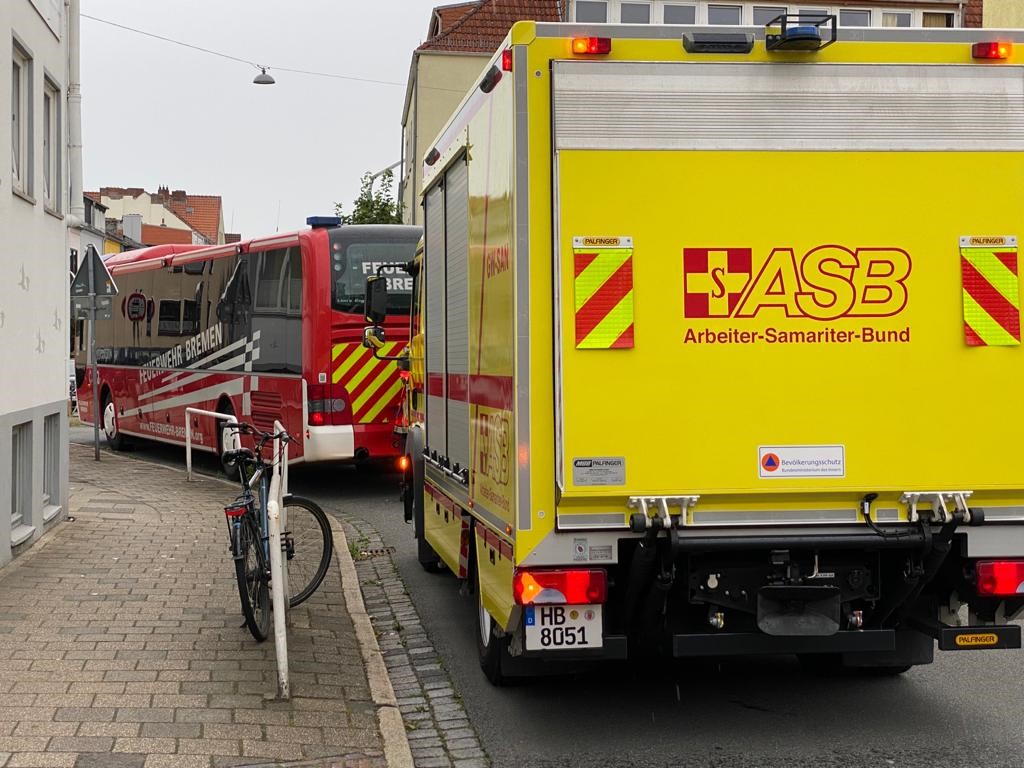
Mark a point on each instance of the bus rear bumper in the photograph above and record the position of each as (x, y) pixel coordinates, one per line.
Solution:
(328, 443)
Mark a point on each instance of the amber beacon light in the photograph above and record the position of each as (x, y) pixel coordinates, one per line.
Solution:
(992, 50)
(591, 45)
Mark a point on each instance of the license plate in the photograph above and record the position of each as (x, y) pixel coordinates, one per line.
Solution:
(563, 627)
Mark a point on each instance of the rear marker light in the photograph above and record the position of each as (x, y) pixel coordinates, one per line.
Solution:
(491, 79)
(591, 45)
(506, 60)
(1000, 578)
(403, 463)
(433, 156)
(991, 50)
(560, 587)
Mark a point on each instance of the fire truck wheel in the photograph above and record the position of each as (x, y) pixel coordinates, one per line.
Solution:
(114, 437)
(491, 648)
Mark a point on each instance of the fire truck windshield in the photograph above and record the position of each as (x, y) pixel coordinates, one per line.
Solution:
(352, 263)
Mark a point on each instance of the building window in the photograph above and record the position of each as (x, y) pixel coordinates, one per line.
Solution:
(936, 19)
(591, 10)
(636, 13)
(680, 14)
(21, 121)
(51, 145)
(812, 14)
(724, 14)
(21, 475)
(51, 460)
(765, 13)
(854, 18)
(897, 19)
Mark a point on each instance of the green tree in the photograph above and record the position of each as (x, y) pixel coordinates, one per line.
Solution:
(373, 206)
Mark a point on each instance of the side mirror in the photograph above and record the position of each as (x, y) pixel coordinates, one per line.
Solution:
(375, 308)
(373, 337)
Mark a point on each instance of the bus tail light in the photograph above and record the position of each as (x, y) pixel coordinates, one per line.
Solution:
(327, 403)
(1000, 578)
(592, 45)
(993, 50)
(576, 586)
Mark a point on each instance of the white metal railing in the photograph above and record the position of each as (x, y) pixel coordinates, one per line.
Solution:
(276, 523)
(189, 412)
(278, 564)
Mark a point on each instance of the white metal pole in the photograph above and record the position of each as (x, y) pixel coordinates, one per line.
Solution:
(96, 415)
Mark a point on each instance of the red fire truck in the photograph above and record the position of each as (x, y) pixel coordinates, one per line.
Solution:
(264, 329)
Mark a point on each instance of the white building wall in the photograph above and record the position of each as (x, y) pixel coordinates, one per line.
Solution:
(34, 332)
(152, 213)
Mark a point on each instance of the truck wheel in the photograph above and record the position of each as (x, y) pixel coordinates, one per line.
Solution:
(491, 648)
(113, 434)
(425, 554)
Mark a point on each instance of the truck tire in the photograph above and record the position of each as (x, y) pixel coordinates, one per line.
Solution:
(425, 554)
(491, 648)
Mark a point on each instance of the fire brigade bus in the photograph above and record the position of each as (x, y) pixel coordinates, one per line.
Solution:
(260, 330)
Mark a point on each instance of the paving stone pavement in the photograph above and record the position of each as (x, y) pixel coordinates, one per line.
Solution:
(439, 730)
(121, 644)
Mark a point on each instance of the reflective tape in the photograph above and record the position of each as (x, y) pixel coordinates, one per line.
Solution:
(373, 385)
(603, 292)
(991, 295)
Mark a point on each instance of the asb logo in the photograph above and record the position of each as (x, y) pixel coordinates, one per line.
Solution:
(770, 462)
(826, 283)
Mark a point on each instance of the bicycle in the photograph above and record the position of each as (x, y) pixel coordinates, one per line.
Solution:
(302, 521)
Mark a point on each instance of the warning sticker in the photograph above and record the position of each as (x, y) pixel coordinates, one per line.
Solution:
(599, 470)
(778, 461)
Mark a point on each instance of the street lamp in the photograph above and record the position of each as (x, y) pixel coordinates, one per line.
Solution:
(263, 78)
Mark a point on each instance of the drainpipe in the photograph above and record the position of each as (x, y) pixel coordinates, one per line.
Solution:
(76, 205)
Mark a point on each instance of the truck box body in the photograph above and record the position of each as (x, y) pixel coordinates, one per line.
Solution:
(725, 304)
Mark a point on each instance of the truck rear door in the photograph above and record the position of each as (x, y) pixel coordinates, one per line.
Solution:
(785, 285)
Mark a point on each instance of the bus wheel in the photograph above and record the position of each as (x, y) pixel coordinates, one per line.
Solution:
(114, 437)
(227, 440)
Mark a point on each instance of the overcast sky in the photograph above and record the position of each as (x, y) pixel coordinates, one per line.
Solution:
(156, 114)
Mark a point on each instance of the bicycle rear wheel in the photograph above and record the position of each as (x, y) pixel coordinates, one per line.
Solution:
(309, 544)
(251, 572)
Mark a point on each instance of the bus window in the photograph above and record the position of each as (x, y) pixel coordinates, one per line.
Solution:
(277, 312)
(235, 306)
(352, 263)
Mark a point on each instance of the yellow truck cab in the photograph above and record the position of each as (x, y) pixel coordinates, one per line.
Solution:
(716, 346)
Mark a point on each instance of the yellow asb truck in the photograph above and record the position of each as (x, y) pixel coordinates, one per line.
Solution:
(716, 344)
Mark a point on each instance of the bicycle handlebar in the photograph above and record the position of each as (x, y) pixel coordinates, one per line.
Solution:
(243, 428)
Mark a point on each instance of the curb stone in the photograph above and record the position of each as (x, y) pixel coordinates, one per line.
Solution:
(397, 751)
(440, 733)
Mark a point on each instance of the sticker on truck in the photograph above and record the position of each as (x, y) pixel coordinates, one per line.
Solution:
(786, 461)
(599, 470)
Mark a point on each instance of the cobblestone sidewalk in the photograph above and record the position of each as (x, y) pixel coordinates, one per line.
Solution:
(121, 644)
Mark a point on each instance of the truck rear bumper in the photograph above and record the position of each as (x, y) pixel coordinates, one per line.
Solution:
(753, 643)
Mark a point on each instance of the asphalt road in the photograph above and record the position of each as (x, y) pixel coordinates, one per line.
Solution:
(967, 709)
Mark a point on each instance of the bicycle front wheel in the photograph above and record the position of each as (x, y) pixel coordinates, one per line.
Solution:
(309, 545)
(251, 572)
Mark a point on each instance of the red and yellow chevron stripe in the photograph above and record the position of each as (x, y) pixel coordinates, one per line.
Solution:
(603, 287)
(991, 292)
(374, 386)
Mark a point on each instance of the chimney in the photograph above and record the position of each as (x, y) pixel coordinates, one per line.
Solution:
(131, 225)
(178, 195)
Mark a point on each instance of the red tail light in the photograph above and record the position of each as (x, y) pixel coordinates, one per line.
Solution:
(506, 60)
(235, 511)
(1000, 578)
(592, 45)
(991, 50)
(326, 403)
(581, 586)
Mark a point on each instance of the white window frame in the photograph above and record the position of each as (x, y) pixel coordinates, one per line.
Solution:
(614, 8)
(52, 132)
(21, 120)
